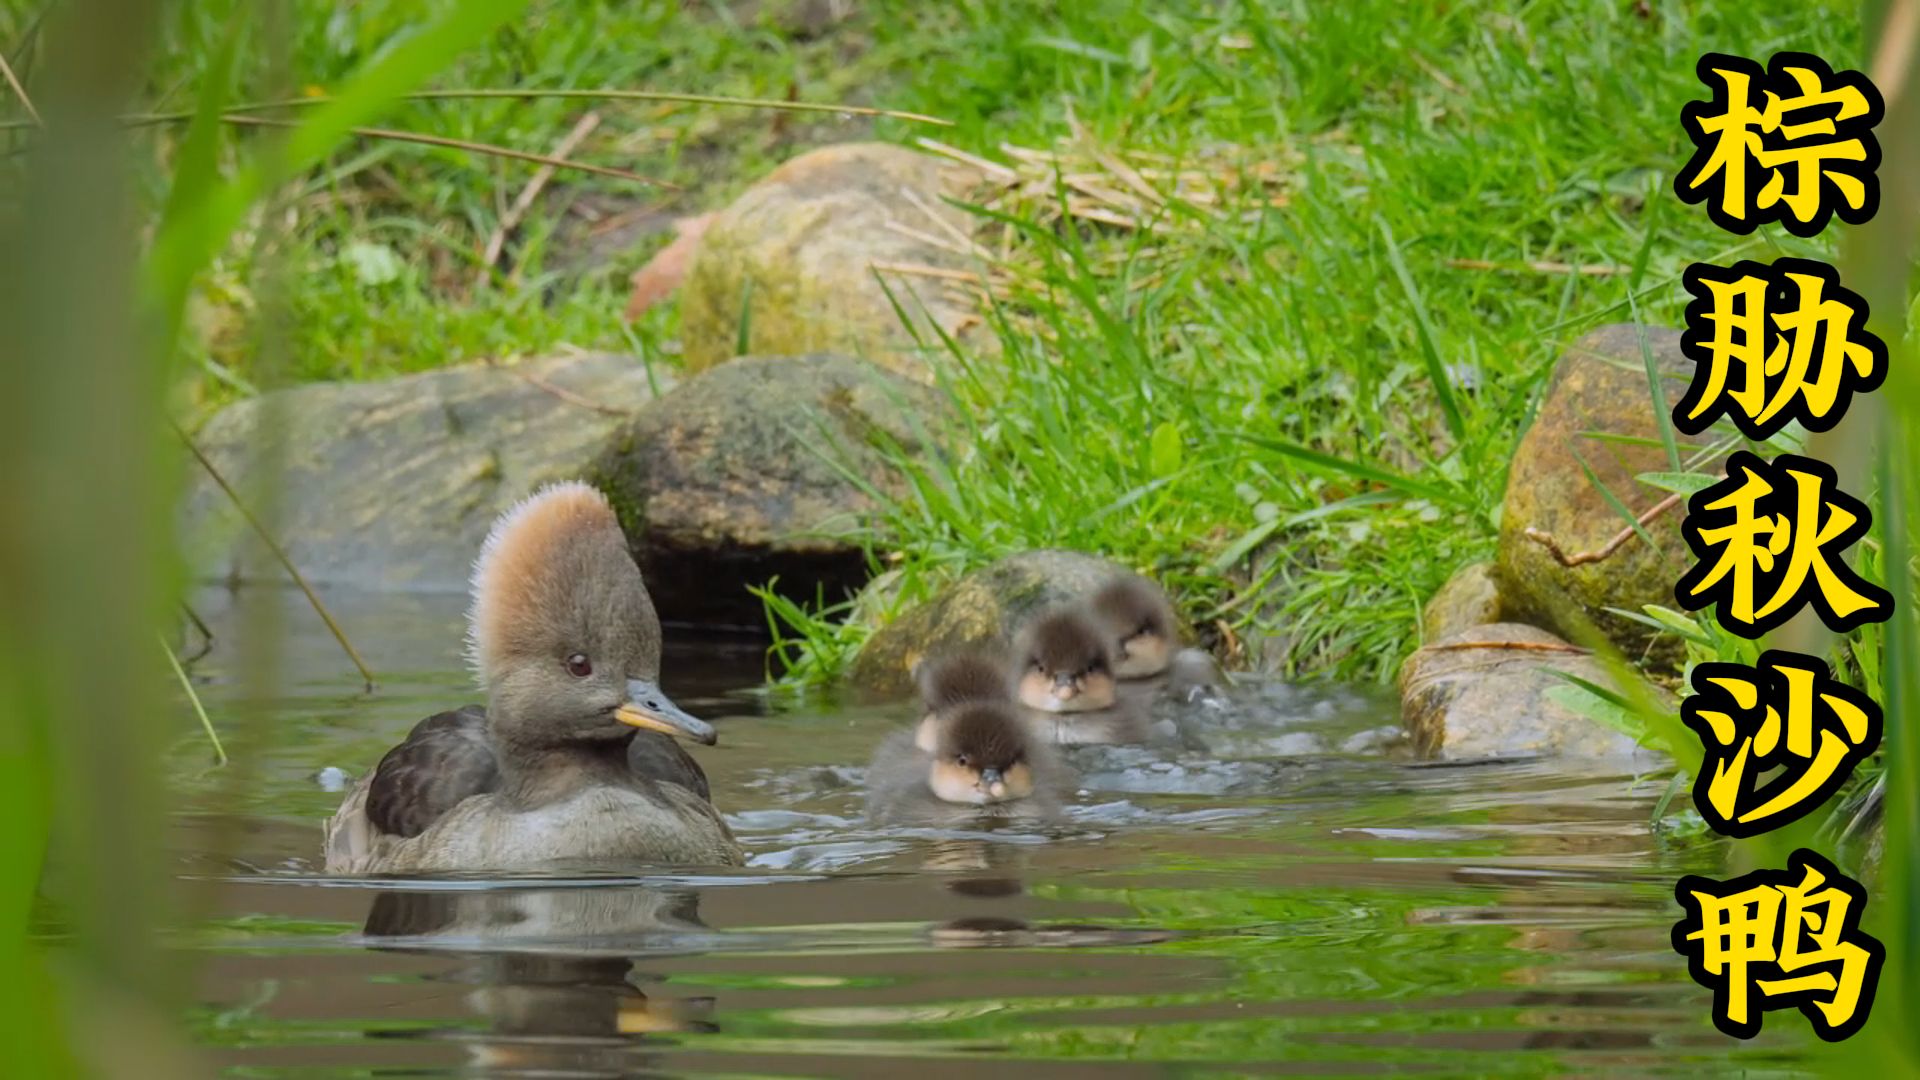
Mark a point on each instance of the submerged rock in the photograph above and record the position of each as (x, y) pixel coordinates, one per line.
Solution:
(1469, 598)
(742, 474)
(1491, 692)
(393, 484)
(983, 608)
(794, 260)
(1599, 388)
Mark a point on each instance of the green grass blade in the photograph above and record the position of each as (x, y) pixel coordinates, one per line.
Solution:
(1657, 394)
(1682, 483)
(1666, 797)
(1632, 519)
(1380, 476)
(1436, 369)
(197, 163)
(193, 698)
(743, 328)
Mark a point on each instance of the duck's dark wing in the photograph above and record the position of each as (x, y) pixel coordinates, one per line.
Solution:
(443, 761)
(660, 758)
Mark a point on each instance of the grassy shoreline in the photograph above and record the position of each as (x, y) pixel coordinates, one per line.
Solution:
(1298, 415)
(1171, 396)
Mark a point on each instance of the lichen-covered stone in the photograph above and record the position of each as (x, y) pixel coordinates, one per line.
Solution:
(393, 484)
(799, 251)
(1469, 598)
(1599, 388)
(742, 474)
(981, 609)
(1491, 692)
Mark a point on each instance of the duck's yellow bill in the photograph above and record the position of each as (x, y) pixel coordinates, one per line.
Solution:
(652, 710)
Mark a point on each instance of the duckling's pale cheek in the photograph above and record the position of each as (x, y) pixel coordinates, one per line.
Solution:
(1019, 782)
(1096, 692)
(1142, 655)
(1036, 692)
(951, 783)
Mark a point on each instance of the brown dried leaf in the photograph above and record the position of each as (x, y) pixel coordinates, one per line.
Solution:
(656, 281)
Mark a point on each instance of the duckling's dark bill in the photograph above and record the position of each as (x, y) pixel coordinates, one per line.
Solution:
(648, 708)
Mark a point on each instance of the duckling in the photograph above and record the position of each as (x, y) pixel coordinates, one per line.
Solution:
(1066, 683)
(976, 755)
(572, 757)
(1140, 625)
(1065, 664)
(1142, 633)
(959, 679)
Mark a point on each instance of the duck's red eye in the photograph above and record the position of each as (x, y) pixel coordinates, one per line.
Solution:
(579, 666)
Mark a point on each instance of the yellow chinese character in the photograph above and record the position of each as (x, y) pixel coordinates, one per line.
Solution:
(1786, 721)
(1762, 932)
(1768, 539)
(1772, 344)
(1810, 144)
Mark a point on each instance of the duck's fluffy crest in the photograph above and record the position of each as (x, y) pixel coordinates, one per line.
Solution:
(508, 570)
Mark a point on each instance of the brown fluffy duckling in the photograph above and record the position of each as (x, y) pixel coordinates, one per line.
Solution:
(960, 679)
(572, 758)
(976, 754)
(1145, 639)
(1064, 663)
(1066, 684)
(1140, 626)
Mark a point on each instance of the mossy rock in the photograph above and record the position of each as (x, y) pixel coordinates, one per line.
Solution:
(1469, 598)
(1599, 389)
(795, 258)
(742, 474)
(393, 484)
(982, 609)
(1492, 692)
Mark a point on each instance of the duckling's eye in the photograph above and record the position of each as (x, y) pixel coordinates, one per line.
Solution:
(960, 760)
(579, 666)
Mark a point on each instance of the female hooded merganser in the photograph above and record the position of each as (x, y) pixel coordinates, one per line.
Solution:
(571, 758)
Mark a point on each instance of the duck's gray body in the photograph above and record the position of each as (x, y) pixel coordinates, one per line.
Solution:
(440, 802)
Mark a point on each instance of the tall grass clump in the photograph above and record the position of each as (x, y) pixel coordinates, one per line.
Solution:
(1292, 394)
(88, 572)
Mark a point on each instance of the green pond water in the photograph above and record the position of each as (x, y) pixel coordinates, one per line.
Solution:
(1298, 902)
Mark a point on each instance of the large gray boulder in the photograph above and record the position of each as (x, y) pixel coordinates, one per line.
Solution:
(795, 259)
(747, 471)
(393, 484)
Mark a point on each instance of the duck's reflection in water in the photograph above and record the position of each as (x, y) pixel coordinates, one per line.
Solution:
(551, 970)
